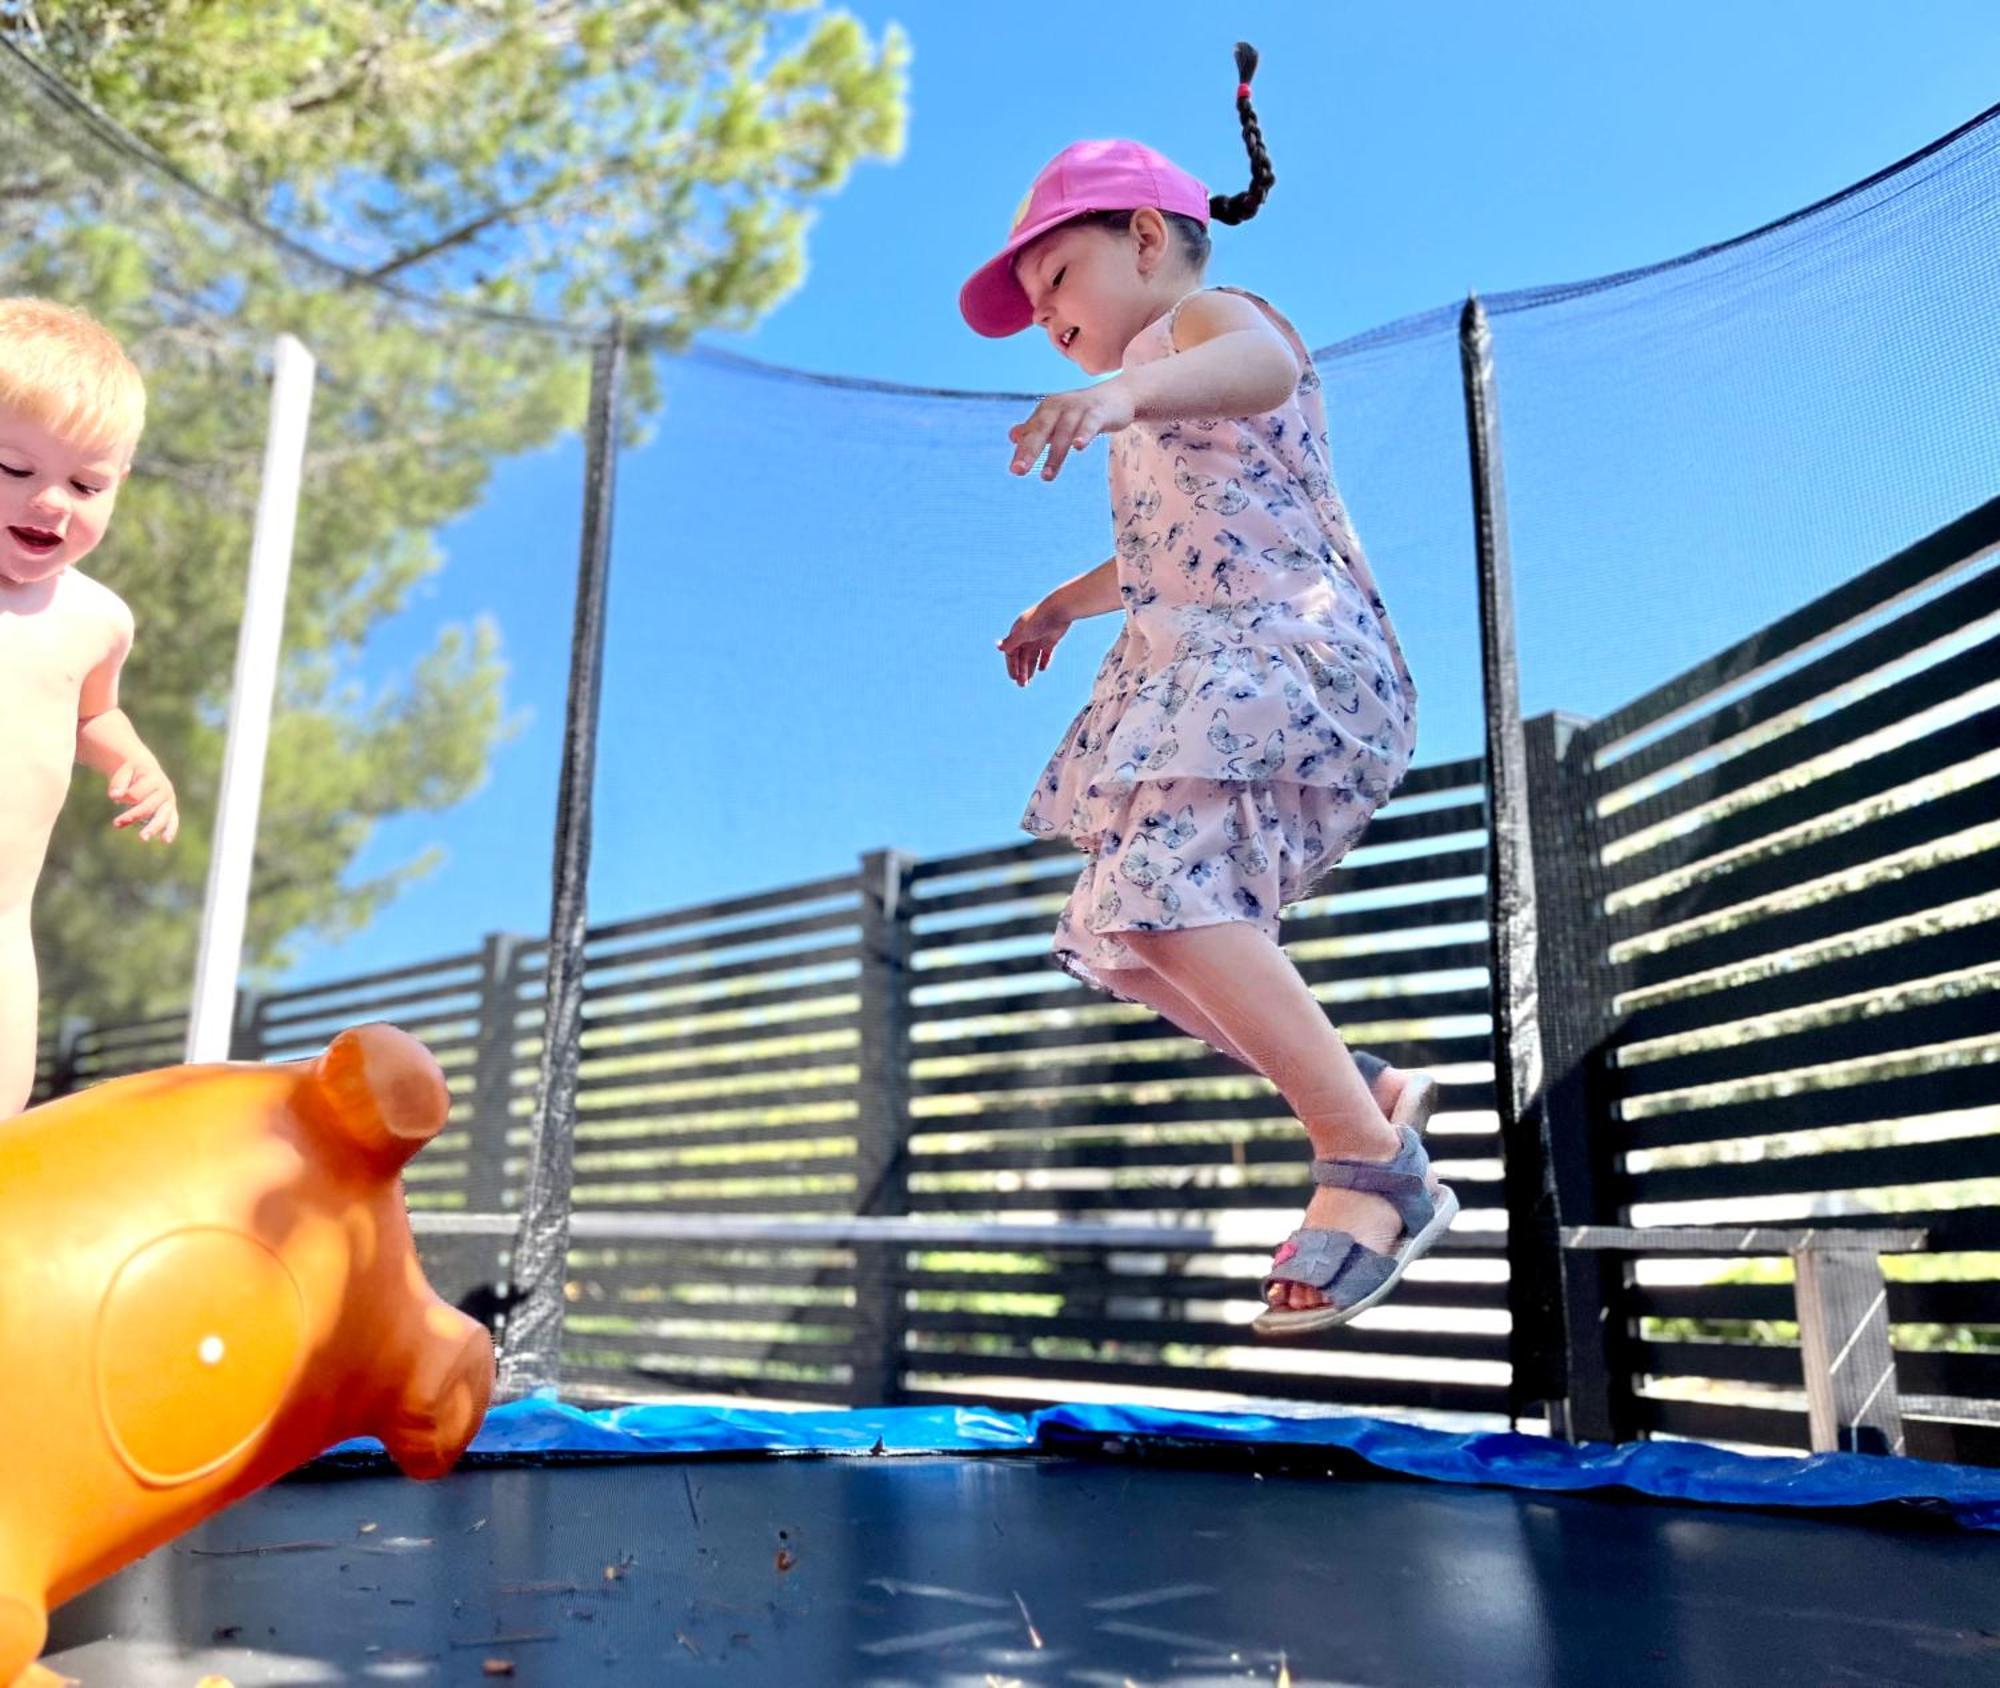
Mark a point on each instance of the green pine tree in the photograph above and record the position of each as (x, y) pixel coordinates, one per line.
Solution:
(560, 158)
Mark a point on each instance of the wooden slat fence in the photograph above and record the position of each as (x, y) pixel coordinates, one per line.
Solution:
(1791, 869)
(1771, 892)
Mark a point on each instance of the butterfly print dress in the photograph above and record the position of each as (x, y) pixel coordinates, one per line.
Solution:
(1255, 708)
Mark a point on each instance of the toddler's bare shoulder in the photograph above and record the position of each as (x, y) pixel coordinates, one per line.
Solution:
(91, 603)
(92, 622)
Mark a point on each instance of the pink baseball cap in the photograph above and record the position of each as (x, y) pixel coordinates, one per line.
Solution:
(1088, 176)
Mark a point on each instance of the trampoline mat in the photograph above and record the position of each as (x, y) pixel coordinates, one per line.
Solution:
(1025, 1569)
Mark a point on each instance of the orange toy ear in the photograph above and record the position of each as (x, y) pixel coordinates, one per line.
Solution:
(380, 1088)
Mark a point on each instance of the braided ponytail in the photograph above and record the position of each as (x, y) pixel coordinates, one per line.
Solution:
(1241, 207)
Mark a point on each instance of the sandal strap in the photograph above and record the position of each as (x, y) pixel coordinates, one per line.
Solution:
(1332, 1262)
(1318, 1253)
(1401, 1181)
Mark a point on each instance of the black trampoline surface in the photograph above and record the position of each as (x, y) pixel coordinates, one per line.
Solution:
(1025, 1570)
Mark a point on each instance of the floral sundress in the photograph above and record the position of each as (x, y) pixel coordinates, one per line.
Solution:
(1255, 708)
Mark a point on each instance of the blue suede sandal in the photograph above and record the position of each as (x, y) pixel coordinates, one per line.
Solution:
(1351, 1277)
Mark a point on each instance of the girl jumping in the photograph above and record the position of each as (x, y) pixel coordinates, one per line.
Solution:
(1255, 708)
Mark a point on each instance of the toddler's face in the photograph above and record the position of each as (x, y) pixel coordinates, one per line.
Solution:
(56, 497)
(1088, 292)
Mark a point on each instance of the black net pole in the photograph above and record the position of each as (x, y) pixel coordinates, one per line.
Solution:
(1533, 1273)
(532, 1356)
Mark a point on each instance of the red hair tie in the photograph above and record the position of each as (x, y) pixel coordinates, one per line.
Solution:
(1242, 90)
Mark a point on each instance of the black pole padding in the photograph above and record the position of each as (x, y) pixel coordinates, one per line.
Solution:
(1536, 1347)
(532, 1356)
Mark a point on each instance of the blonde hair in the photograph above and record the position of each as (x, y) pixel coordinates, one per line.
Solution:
(63, 370)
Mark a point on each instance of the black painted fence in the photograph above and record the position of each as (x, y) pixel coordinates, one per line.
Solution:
(1769, 904)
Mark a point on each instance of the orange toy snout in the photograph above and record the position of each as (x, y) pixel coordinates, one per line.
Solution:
(207, 1276)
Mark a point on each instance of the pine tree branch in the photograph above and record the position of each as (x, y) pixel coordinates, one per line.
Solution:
(427, 70)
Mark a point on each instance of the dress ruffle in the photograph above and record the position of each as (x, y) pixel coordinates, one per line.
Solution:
(1180, 853)
(1325, 714)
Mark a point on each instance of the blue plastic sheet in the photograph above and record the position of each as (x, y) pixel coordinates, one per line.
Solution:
(1687, 1471)
(544, 1426)
(1682, 1471)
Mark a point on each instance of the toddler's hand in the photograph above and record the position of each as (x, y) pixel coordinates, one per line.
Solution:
(1066, 422)
(149, 798)
(1030, 641)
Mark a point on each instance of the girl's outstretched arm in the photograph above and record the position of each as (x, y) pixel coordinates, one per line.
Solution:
(1232, 362)
(1037, 630)
(1094, 592)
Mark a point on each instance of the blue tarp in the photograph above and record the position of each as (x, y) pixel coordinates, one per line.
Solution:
(1683, 1471)
(1687, 1471)
(544, 1426)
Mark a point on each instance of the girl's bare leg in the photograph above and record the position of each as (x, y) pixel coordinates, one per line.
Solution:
(1246, 987)
(1143, 985)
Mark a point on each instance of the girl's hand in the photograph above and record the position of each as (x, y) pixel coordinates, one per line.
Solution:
(149, 798)
(1066, 422)
(1032, 639)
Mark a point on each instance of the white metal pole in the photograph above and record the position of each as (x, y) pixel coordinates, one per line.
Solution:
(250, 698)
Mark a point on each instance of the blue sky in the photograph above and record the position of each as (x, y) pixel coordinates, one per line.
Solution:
(807, 586)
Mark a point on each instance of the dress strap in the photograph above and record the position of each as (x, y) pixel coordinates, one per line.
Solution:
(1173, 317)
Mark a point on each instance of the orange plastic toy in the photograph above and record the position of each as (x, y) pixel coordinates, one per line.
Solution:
(206, 1277)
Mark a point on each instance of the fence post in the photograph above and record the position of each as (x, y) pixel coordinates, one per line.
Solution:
(70, 1033)
(882, 1122)
(483, 1265)
(1579, 1293)
(493, 1069)
(246, 1027)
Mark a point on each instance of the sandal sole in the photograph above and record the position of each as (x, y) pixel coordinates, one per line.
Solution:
(1302, 1322)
